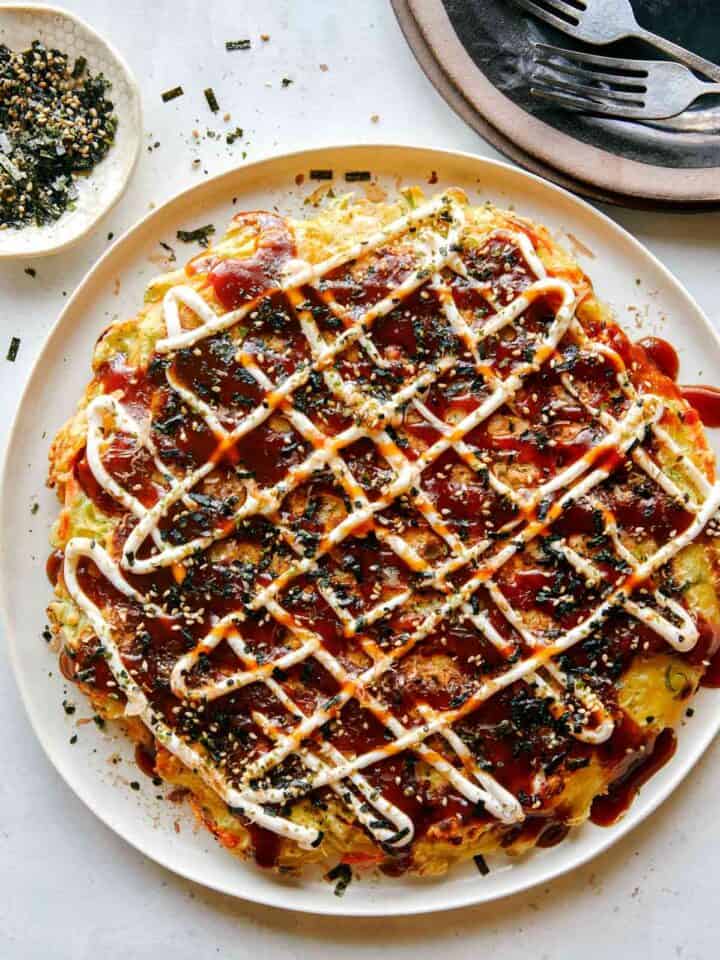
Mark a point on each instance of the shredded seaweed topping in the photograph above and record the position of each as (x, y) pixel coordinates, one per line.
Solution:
(55, 122)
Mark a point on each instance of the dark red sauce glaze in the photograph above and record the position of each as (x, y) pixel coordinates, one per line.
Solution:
(266, 845)
(501, 264)
(237, 281)
(416, 332)
(609, 809)
(662, 354)
(135, 388)
(467, 504)
(310, 609)
(89, 485)
(706, 400)
(711, 677)
(553, 834)
(515, 734)
(53, 566)
(357, 285)
(707, 652)
(87, 665)
(145, 759)
(270, 450)
(210, 369)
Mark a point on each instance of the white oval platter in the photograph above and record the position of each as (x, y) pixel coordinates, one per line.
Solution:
(646, 298)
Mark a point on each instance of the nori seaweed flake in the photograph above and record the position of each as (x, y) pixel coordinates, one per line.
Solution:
(55, 122)
(172, 94)
(343, 875)
(481, 864)
(234, 135)
(211, 99)
(231, 45)
(13, 349)
(201, 234)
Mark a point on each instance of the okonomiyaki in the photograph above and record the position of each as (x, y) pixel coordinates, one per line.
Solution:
(384, 541)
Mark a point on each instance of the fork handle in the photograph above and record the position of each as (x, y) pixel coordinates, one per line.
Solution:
(680, 54)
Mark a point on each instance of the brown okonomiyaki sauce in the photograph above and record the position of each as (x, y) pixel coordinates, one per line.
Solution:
(663, 355)
(517, 735)
(608, 809)
(237, 281)
(711, 677)
(145, 759)
(53, 566)
(707, 652)
(704, 399)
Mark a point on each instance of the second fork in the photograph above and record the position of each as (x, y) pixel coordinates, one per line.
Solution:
(627, 89)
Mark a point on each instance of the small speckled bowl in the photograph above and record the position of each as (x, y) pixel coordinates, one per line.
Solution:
(99, 190)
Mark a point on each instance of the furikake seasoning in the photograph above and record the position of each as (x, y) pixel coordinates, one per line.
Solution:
(55, 122)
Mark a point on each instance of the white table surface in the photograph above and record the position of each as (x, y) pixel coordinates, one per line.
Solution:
(69, 888)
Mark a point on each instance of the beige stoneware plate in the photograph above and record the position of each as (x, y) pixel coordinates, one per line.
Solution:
(621, 269)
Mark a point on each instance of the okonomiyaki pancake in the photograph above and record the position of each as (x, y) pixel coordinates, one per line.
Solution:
(384, 541)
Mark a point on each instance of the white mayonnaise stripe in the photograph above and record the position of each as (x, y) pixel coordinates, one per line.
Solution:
(523, 668)
(404, 827)
(629, 432)
(436, 253)
(138, 704)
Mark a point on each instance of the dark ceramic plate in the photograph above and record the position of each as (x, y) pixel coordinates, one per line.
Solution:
(477, 52)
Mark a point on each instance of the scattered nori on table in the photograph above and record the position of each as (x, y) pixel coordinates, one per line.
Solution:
(172, 94)
(13, 349)
(211, 99)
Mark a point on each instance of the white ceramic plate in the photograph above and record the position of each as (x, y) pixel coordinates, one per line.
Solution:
(634, 282)
(100, 190)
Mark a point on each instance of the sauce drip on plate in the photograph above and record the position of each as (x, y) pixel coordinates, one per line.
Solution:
(706, 400)
(608, 809)
(663, 355)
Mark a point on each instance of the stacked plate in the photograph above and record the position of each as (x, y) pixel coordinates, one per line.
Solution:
(478, 53)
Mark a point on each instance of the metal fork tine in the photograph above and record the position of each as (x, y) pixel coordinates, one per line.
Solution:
(584, 89)
(572, 70)
(568, 9)
(629, 66)
(542, 14)
(581, 103)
